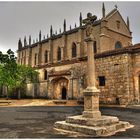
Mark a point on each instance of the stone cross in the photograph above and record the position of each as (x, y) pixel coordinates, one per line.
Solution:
(90, 51)
(91, 93)
(88, 22)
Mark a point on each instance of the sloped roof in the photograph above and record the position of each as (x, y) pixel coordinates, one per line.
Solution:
(111, 13)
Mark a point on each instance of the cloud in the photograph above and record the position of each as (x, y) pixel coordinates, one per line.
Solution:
(27, 18)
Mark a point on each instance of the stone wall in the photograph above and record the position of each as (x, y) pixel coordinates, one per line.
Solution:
(119, 84)
(117, 79)
(136, 76)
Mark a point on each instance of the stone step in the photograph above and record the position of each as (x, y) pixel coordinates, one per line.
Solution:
(90, 130)
(103, 121)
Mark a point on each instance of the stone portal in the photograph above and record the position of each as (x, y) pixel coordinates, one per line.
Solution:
(60, 88)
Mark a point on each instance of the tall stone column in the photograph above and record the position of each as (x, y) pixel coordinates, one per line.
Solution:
(90, 63)
(91, 93)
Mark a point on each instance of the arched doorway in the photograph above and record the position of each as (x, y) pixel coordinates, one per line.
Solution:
(60, 88)
(64, 93)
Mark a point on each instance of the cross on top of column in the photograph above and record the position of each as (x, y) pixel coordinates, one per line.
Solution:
(88, 22)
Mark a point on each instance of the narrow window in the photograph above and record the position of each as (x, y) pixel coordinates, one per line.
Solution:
(45, 75)
(74, 50)
(59, 54)
(101, 80)
(46, 56)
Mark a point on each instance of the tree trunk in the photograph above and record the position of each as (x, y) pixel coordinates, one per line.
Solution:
(19, 94)
(7, 97)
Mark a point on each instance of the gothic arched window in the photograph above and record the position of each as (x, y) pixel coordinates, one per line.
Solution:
(118, 45)
(46, 56)
(59, 54)
(95, 47)
(74, 50)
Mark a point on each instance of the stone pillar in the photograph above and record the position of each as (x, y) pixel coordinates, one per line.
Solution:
(51, 50)
(64, 42)
(90, 63)
(40, 54)
(70, 88)
(48, 55)
(78, 49)
(62, 53)
(137, 84)
(91, 93)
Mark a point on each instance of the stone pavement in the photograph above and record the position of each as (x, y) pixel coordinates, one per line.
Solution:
(38, 121)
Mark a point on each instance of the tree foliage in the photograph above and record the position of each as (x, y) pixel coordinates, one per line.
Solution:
(8, 68)
(13, 75)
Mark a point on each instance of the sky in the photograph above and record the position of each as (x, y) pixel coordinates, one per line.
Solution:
(20, 19)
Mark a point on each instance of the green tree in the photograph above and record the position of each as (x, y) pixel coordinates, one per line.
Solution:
(24, 74)
(7, 69)
(13, 75)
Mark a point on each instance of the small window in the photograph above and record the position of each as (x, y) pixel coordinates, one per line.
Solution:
(74, 51)
(118, 45)
(95, 47)
(101, 80)
(45, 75)
(59, 54)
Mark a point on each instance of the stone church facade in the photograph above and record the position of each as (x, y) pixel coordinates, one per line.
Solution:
(61, 60)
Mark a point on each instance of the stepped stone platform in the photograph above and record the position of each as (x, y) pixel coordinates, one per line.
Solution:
(100, 127)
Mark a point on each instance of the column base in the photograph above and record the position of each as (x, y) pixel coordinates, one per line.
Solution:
(90, 127)
(92, 114)
(91, 103)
